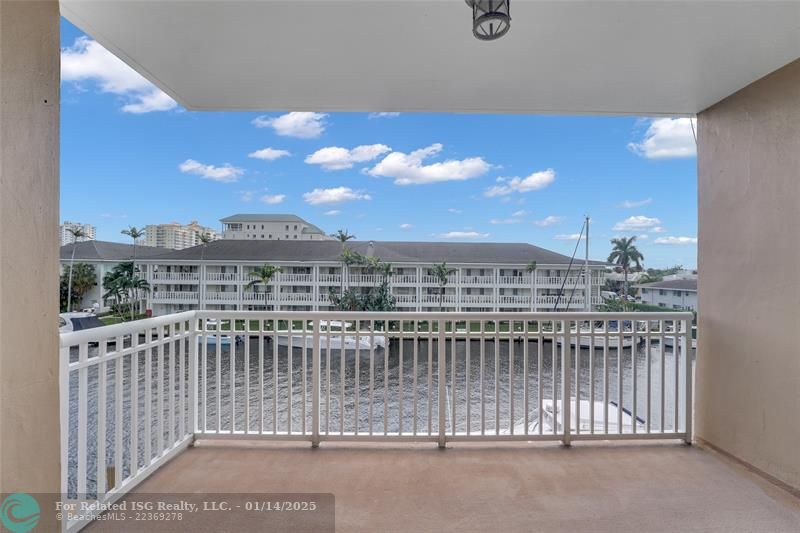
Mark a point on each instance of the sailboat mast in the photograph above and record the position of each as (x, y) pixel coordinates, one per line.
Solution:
(587, 275)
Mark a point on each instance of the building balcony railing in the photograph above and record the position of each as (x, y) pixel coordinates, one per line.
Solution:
(405, 298)
(514, 300)
(330, 278)
(169, 380)
(175, 276)
(295, 278)
(434, 299)
(477, 299)
(296, 297)
(174, 297)
(427, 279)
(477, 280)
(222, 276)
(514, 280)
(404, 279)
(558, 281)
(257, 297)
(213, 297)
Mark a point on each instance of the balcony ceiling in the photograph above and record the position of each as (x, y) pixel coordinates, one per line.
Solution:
(648, 57)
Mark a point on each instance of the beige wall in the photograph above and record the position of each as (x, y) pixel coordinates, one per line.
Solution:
(29, 124)
(748, 361)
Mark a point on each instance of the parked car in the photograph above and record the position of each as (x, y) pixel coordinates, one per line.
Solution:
(68, 322)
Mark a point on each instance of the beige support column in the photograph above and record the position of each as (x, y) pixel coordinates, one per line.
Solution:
(748, 360)
(29, 245)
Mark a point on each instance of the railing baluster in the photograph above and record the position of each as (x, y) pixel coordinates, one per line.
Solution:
(467, 375)
(566, 373)
(525, 386)
(441, 366)
(578, 325)
(620, 350)
(160, 390)
(315, 383)
(357, 394)
(430, 376)
(275, 326)
(102, 402)
(289, 366)
(83, 413)
(591, 377)
(119, 383)
(341, 378)
(327, 376)
(648, 376)
(663, 350)
(496, 377)
(539, 375)
(148, 398)
(386, 379)
(453, 380)
(134, 424)
(482, 380)
(606, 342)
(304, 376)
(400, 390)
(204, 381)
(246, 346)
(686, 352)
(511, 376)
(372, 369)
(675, 350)
(634, 376)
(415, 353)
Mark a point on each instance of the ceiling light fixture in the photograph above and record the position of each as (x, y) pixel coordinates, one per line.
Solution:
(491, 19)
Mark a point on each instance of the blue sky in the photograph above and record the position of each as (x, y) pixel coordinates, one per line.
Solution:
(131, 156)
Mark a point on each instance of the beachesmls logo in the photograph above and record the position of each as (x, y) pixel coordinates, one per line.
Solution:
(19, 512)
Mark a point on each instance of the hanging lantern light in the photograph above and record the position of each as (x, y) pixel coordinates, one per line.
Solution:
(491, 19)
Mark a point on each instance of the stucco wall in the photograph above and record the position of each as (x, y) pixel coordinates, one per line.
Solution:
(748, 361)
(29, 124)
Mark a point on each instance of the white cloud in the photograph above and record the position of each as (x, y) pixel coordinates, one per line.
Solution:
(548, 221)
(408, 169)
(676, 241)
(505, 221)
(269, 154)
(657, 229)
(520, 213)
(225, 174)
(632, 204)
(336, 158)
(299, 124)
(334, 195)
(332, 212)
(462, 235)
(385, 114)
(637, 223)
(406, 226)
(455, 211)
(273, 199)
(569, 237)
(667, 138)
(87, 60)
(534, 182)
(246, 196)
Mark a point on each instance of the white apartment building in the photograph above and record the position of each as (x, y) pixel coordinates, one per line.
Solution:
(66, 236)
(270, 227)
(488, 276)
(103, 256)
(176, 236)
(678, 294)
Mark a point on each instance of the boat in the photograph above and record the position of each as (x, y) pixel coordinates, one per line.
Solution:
(331, 336)
(69, 322)
(548, 419)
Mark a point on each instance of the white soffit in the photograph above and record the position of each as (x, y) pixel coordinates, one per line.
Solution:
(583, 57)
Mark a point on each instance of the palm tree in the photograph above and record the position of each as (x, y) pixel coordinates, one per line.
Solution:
(442, 272)
(342, 236)
(626, 256)
(134, 233)
(531, 268)
(350, 258)
(77, 233)
(204, 239)
(263, 275)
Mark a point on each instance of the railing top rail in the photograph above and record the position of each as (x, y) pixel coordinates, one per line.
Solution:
(436, 315)
(88, 335)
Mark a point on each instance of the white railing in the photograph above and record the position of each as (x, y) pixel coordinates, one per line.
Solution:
(175, 276)
(427, 279)
(171, 296)
(296, 278)
(514, 299)
(514, 280)
(222, 276)
(435, 299)
(127, 405)
(405, 298)
(334, 376)
(257, 297)
(404, 279)
(231, 296)
(477, 299)
(330, 278)
(367, 279)
(296, 297)
(477, 280)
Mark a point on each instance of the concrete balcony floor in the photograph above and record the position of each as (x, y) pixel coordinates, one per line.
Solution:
(593, 487)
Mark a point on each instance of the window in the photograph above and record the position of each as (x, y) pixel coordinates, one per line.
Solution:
(662, 292)
(287, 236)
(270, 235)
(295, 236)
(295, 227)
(262, 235)
(287, 227)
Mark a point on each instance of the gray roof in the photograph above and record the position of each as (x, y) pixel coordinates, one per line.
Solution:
(391, 251)
(109, 251)
(262, 217)
(674, 284)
